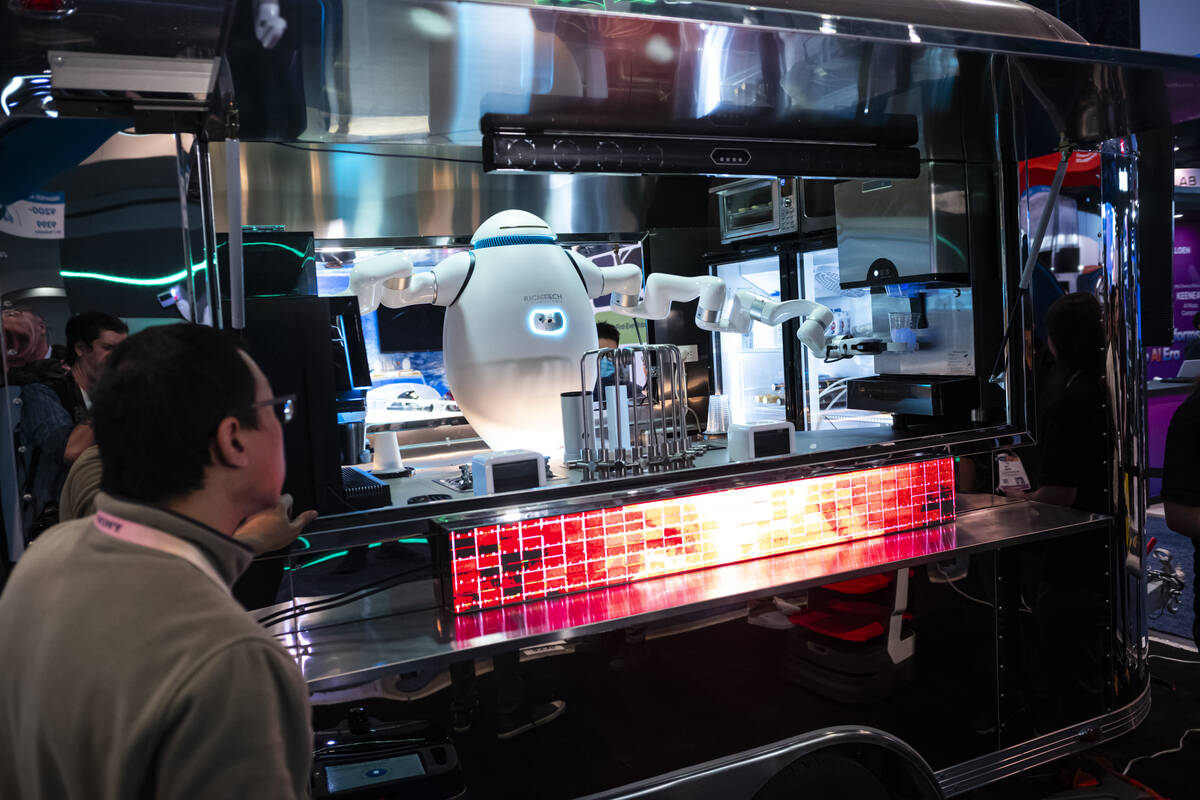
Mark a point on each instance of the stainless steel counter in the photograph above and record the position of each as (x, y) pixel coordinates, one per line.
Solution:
(434, 464)
(403, 628)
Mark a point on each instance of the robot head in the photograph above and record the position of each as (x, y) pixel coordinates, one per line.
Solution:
(512, 227)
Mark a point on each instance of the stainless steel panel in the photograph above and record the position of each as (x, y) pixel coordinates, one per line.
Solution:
(338, 648)
(918, 225)
(427, 72)
(1006, 17)
(1127, 430)
(375, 191)
(1044, 749)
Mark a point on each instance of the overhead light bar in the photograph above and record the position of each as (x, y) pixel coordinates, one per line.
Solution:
(586, 152)
(515, 562)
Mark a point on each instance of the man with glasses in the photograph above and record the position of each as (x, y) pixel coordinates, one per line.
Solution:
(128, 669)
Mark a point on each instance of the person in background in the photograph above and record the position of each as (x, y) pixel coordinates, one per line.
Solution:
(1181, 484)
(78, 497)
(55, 425)
(25, 339)
(91, 338)
(1072, 440)
(607, 335)
(173, 691)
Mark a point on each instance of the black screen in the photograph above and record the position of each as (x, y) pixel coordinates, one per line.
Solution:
(516, 475)
(405, 330)
(273, 263)
(775, 442)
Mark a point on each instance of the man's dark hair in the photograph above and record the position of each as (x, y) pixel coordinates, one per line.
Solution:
(606, 330)
(1075, 326)
(1196, 320)
(157, 405)
(86, 328)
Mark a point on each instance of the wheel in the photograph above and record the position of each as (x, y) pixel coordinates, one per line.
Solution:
(824, 776)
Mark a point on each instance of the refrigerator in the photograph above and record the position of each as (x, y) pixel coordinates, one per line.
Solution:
(751, 369)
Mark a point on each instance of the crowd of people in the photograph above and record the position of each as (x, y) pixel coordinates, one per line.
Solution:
(55, 384)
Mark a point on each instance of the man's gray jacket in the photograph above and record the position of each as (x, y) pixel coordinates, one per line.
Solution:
(126, 672)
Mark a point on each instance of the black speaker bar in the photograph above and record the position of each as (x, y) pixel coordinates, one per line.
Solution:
(549, 114)
(654, 155)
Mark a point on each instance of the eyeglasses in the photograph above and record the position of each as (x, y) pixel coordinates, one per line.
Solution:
(284, 407)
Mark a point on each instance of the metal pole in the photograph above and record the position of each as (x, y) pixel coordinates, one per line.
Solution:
(182, 176)
(209, 227)
(233, 195)
(1035, 244)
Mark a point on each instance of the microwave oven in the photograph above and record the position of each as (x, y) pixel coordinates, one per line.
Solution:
(764, 207)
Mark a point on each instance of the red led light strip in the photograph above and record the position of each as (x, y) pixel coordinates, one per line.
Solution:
(537, 558)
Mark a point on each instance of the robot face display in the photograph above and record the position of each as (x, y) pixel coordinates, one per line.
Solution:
(547, 322)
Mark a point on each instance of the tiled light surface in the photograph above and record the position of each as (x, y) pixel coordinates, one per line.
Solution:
(537, 558)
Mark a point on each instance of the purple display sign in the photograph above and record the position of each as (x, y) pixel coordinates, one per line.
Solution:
(1163, 362)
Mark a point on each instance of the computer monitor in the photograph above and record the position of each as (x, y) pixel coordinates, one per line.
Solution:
(1189, 369)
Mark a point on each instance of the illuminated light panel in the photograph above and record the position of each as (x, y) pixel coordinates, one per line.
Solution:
(537, 558)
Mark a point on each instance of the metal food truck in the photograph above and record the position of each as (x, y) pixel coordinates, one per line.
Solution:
(771, 556)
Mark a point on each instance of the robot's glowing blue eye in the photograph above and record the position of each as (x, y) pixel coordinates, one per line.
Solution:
(547, 321)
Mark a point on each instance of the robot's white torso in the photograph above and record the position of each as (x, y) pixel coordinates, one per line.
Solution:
(519, 318)
(513, 341)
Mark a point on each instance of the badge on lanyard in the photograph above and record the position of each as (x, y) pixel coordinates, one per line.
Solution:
(153, 538)
(1011, 472)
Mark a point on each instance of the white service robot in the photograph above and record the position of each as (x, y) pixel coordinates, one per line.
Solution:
(519, 317)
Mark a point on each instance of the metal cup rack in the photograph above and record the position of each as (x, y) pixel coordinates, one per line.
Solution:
(632, 429)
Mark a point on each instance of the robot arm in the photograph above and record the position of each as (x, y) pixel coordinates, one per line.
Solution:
(389, 279)
(744, 310)
(748, 308)
(622, 279)
(662, 290)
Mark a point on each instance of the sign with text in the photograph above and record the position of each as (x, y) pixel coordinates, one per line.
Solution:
(1164, 362)
(39, 216)
(1187, 178)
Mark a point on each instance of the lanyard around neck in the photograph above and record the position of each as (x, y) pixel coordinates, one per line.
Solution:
(155, 539)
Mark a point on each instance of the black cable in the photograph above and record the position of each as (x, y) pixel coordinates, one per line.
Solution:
(334, 601)
(337, 600)
(382, 155)
(326, 605)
